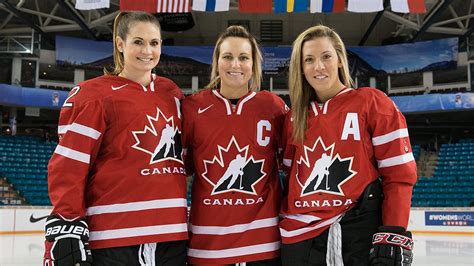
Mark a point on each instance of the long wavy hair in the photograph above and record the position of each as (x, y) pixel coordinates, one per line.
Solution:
(301, 92)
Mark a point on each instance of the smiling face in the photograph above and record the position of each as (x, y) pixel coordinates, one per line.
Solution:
(141, 48)
(320, 66)
(235, 64)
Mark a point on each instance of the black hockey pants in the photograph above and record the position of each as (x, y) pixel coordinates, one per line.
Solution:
(163, 254)
(357, 226)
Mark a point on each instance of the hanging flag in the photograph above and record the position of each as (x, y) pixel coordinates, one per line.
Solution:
(173, 6)
(365, 6)
(92, 4)
(290, 6)
(327, 6)
(254, 6)
(211, 5)
(156, 6)
(149, 6)
(408, 6)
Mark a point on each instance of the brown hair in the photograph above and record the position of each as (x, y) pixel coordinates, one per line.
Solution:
(301, 92)
(122, 23)
(239, 32)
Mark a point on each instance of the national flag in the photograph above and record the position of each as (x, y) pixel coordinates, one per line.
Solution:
(365, 6)
(327, 6)
(92, 4)
(408, 6)
(173, 6)
(211, 5)
(139, 5)
(290, 6)
(156, 6)
(255, 6)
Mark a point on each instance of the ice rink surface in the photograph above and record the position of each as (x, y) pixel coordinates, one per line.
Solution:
(432, 250)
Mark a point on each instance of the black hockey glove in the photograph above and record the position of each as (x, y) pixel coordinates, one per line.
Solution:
(392, 246)
(66, 242)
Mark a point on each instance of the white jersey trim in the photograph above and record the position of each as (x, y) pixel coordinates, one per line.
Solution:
(244, 100)
(73, 154)
(233, 252)
(304, 218)
(138, 231)
(79, 129)
(297, 232)
(287, 162)
(325, 106)
(396, 160)
(233, 229)
(315, 108)
(227, 105)
(152, 85)
(396, 134)
(137, 206)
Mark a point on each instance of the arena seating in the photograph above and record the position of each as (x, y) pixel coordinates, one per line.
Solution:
(23, 161)
(452, 184)
(416, 151)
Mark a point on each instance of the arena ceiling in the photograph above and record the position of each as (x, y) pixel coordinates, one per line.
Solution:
(444, 18)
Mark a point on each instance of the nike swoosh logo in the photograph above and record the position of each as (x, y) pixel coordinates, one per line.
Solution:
(35, 220)
(200, 111)
(119, 87)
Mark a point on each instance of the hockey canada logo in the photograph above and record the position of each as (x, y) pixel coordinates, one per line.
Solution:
(160, 138)
(233, 170)
(320, 171)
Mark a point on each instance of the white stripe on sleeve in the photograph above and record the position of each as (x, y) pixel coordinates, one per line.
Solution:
(137, 206)
(73, 154)
(396, 160)
(80, 129)
(396, 134)
(138, 231)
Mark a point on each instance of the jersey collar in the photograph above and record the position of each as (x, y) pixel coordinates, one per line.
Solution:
(238, 108)
(151, 87)
(317, 109)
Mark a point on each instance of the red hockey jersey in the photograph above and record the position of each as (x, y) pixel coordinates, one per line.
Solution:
(119, 161)
(350, 141)
(236, 192)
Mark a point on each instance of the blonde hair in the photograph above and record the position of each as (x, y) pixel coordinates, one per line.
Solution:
(122, 23)
(239, 32)
(301, 92)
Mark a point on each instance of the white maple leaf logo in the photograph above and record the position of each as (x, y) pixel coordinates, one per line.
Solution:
(249, 173)
(150, 140)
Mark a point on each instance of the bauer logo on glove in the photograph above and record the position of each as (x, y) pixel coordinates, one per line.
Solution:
(66, 242)
(67, 229)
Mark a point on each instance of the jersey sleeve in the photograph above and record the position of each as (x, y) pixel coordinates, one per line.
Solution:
(81, 127)
(394, 159)
(288, 148)
(187, 137)
(280, 114)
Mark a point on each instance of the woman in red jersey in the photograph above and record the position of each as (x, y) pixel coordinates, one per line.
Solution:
(231, 139)
(340, 142)
(116, 179)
